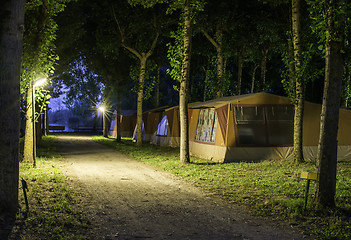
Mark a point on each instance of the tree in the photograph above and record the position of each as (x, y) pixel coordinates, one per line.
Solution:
(11, 32)
(134, 39)
(220, 16)
(38, 57)
(299, 92)
(189, 8)
(84, 89)
(334, 66)
(184, 83)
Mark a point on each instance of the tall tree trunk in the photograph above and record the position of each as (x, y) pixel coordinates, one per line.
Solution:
(327, 147)
(106, 113)
(38, 121)
(347, 84)
(46, 121)
(11, 32)
(220, 64)
(206, 70)
(183, 92)
(28, 134)
(220, 59)
(299, 99)
(157, 87)
(140, 100)
(143, 56)
(106, 124)
(264, 53)
(240, 69)
(95, 119)
(118, 117)
(253, 78)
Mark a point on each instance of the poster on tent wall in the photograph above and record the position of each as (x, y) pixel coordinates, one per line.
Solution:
(207, 125)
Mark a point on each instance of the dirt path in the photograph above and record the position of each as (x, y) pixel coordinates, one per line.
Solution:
(126, 199)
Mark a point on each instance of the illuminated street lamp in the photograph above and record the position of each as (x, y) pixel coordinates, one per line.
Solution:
(102, 109)
(35, 84)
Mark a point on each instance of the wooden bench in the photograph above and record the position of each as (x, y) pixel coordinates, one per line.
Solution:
(57, 128)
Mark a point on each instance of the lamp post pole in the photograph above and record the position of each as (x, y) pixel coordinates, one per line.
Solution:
(36, 83)
(102, 109)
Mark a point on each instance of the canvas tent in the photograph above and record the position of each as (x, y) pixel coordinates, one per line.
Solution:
(151, 118)
(257, 126)
(166, 132)
(128, 121)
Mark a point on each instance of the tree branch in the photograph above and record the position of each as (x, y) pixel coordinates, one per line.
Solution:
(132, 50)
(118, 25)
(214, 43)
(153, 45)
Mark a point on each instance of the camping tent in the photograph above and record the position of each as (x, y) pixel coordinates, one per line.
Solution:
(128, 121)
(167, 128)
(151, 118)
(257, 126)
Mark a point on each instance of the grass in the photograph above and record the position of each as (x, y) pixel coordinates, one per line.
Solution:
(53, 212)
(268, 188)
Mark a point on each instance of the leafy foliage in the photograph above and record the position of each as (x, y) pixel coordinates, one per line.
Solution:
(39, 55)
(175, 53)
(84, 88)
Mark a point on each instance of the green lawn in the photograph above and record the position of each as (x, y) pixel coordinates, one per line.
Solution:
(268, 188)
(53, 208)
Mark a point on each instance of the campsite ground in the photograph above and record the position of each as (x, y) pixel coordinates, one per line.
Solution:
(126, 199)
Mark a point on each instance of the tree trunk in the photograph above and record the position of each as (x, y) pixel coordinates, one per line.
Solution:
(38, 134)
(157, 87)
(240, 70)
(142, 58)
(327, 147)
(253, 78)
(299, 99)
(118, 117)
(95, 119)
(106, 123)
(263, 68)
(46, 121)
(28, 134)
(205, 83)
(11, 32)
(220, 64)
(347, 84)
(140, 100)
(183, 92)
(220, 59)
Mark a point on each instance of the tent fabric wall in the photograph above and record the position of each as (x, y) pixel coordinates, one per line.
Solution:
(227, 146)
(172, 137)
(127, 125)
(151, 118)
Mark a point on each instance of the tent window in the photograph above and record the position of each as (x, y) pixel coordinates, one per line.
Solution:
(207, 125)
(162, 127)
(264, 125)
(280, 124)
(250, 125)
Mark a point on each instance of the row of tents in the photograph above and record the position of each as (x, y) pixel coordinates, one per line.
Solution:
(248, 127)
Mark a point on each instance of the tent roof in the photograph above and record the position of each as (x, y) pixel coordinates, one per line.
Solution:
(250, 99)
(159, 109)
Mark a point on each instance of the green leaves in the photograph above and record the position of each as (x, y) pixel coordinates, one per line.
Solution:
(175, 53)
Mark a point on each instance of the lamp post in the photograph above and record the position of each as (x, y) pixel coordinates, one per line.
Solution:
(35, 83)
(102, 109)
